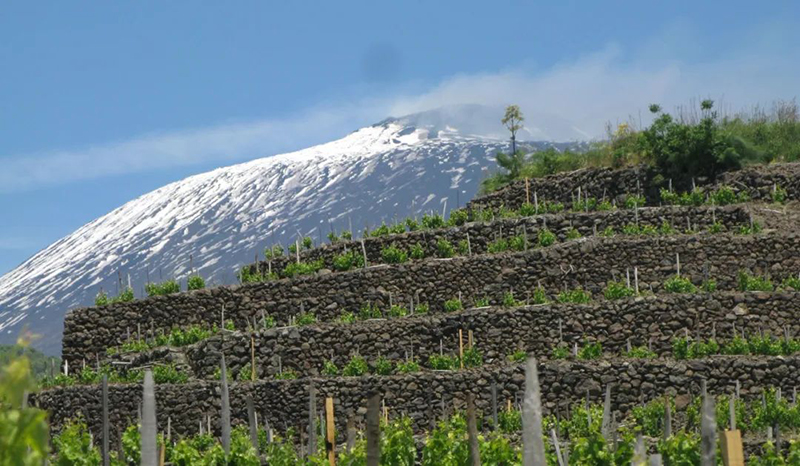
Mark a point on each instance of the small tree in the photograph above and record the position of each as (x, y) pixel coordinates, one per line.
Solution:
(513, 120)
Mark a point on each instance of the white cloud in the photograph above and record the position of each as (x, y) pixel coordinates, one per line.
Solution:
(571, 100)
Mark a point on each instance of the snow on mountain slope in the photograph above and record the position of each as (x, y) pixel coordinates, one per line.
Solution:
(223, 218)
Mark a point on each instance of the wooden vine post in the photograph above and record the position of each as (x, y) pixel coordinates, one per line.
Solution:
(461, 347)
(708, 430)
(312, 419)
(532, 441)
(225, 409)
(472, 432)
(252, 358)
(148, 445)
(374, 430)
(251, 420)
(106, 458)
(330, 432)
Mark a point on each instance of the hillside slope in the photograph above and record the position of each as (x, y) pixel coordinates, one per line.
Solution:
(219, 220)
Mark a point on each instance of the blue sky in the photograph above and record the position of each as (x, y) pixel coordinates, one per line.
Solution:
(101, 102)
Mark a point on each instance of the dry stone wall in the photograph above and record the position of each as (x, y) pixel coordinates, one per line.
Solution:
(757, 181)
(482, 234)
(651, 320)
(589, 263)
(424, 396)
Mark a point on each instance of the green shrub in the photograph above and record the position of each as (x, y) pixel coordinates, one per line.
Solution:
(649, 417)
(539, 296)
(715, 227)
(329, 369)
(618, 290)
(272, 253)
(305, 318)
(382, 230)
(333, 238)
(347, 317)
(412, 224)
(591, 351)
(575, 296)
(498, 246)
(749, 282)
(527, 210)
(421, 308)
(453, 305)
(397, 229)
(417, 252)
(394, 255)
(482, 302)
(779, 195)
(546, 237)
(463, 247)
(517, 243)
(640, 352)
(552, 207)
(369, 312)
(432, 221)
(458, 217)
(169, 374)
(607, 232)
(407, 367)
(709, 286)
(307, 242)
(633, 201)
(287, 374)
(668, 197)
(443, 362)
(472, 358)
(73, 445)
(724, 195)
(295, 269)
(749, 229)
(560, 352)
(573, 233)
(518, 356)
(444, 248)
(397, 311)
(509, 421)
(383, 366)
(508, 299)
(792, 283)
(347, 235)
(162, 289)
(357, 366)
(245, 373)
(678, 284)
(195, 282)
(484, 215)
(348, 260)
(101, 299)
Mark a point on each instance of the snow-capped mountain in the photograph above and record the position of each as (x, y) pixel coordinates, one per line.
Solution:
(219, 220)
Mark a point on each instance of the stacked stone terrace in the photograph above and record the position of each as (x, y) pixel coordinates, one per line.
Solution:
(499, 326)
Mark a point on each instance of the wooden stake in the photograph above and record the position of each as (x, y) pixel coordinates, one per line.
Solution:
(527, 191)
(472, 432)
(148, 443)
(105, 451)
(494, 405)
(312, 419)
(351, 435)
(252, 358)
(469, 245)
(330, 431)
(251, 418)
(708, 430)
(678, 263)
(373, 431)
(469, 339)
(461, 347)
(364, 252)
(532, 441)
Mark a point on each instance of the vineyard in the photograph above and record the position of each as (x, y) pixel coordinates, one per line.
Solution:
(591, 318)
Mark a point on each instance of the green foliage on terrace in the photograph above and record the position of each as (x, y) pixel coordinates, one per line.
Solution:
(162, 289)
(168, 373)
(125, 296)
(176, 337)
(696, 142)
(766, 345)
(40, 364)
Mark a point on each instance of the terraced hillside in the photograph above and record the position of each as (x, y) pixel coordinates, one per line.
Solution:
(609, 278)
